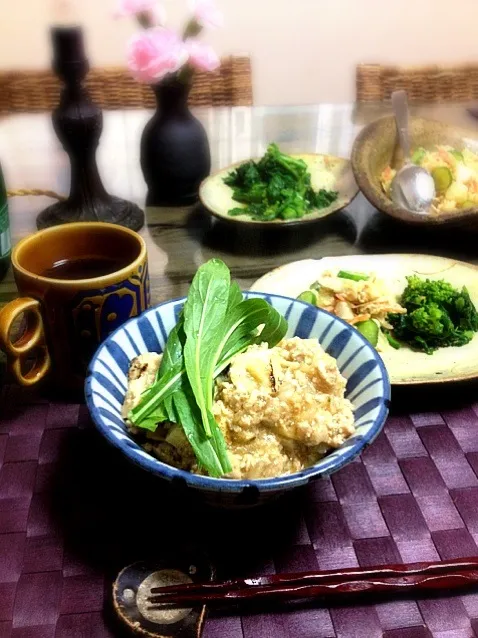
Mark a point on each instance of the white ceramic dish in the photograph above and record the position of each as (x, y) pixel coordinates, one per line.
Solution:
(217, 196)
(404, 366)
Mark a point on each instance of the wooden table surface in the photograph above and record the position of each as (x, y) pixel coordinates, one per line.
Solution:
(180, 239)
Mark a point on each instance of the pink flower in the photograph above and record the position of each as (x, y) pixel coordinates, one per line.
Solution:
(202, 56)
(152, 9)
(207, 14)
(154, 53)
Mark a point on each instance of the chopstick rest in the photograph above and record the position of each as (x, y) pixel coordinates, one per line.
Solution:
(133, 585)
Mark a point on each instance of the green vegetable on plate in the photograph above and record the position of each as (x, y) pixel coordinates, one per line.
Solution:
(354, 276)
(437, 316)
(216, 324)
(369, 329)
(276, 187)
(391, 340)
(309, 296)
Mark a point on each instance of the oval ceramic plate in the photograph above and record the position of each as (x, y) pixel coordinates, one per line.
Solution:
(404, 366)
(217, 196)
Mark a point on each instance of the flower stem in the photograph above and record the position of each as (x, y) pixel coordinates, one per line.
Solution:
(144, 19)
(193, 28)
(186, 74)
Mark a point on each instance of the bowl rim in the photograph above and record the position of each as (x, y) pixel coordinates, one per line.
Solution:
(236, 486)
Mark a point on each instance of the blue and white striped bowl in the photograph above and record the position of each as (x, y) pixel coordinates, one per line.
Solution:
(368, 388)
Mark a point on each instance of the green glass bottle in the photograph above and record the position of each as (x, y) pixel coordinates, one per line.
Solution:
(5, 243)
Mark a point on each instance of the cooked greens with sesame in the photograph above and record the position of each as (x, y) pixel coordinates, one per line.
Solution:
(276, 187)
(437, 316)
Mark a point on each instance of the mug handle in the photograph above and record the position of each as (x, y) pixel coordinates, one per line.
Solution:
(31, 341)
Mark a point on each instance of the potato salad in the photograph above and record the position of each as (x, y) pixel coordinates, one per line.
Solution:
(454, 172)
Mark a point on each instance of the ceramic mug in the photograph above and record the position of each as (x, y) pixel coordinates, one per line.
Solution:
(78, 283)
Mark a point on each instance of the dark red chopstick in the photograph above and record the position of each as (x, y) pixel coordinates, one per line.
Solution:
(394, 578)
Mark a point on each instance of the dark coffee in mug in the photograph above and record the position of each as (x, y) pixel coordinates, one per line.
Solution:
(85, 267)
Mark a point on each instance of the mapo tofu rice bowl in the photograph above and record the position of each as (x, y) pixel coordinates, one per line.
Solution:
(231, 392)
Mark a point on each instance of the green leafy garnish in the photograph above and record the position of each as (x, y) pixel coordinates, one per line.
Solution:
(216, 324)
(276, 187)
(391, 340)
(354, 276)
(437, 315)
(204, 311)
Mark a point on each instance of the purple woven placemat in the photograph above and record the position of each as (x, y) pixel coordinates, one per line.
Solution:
(73, 512)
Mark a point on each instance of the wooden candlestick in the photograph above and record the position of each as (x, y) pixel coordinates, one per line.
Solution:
(78, 124)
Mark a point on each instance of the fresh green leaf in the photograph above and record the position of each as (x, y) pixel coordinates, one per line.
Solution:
(211, 454)
(204, 315)
(253, 321)
(235, 296)
(173, 351)
(221, 325)
(171, 371)
(244, 330)
(274, 328)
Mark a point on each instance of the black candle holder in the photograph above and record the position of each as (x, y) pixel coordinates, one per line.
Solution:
(78, 123)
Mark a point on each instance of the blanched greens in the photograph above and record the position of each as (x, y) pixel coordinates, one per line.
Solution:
(276, 187)
(437, 316)
(215, 325)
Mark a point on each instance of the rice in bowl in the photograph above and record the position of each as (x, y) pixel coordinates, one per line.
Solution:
(280, 410)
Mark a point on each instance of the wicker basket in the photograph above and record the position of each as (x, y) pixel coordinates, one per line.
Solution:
(376, 82)
(114, 88)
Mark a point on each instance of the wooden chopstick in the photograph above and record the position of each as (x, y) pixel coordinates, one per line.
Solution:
(394, 578)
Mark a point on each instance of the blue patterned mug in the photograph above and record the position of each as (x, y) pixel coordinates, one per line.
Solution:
(78, 283)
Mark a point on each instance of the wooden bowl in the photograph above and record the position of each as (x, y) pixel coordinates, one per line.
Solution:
(377, 146)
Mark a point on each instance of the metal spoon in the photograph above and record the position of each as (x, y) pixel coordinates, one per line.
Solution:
(412, 187)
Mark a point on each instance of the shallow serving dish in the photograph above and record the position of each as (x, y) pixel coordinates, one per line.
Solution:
(376, 147)
(368, 388)
(405, 367)
(217, 196)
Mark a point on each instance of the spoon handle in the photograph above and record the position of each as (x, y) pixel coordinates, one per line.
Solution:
(400, 109)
